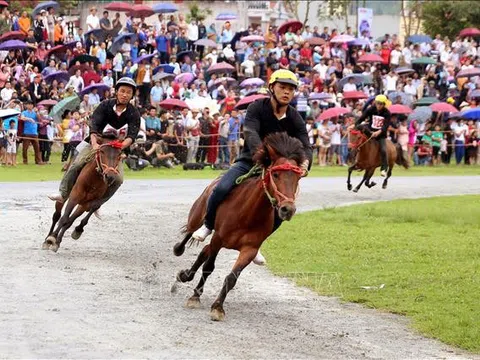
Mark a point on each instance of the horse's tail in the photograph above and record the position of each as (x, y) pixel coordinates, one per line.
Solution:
(179, 247)
(401, 158)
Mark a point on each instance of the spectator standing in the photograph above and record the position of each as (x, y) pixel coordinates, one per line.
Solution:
(223, 132)
(193, 136)
(93, 22)
(30, 133)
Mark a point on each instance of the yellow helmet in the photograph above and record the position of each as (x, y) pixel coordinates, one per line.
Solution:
(283, 76)
(451, 100)
(381, 99)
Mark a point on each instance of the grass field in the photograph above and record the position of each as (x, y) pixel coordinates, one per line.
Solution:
(425, 252)
(33, 172)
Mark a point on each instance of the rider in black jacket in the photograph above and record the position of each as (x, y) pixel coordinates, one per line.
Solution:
(264, 117)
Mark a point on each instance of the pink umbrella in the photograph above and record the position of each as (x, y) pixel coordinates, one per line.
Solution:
(294, 24)
(399, 109)
(333, 112)
(369, 58)
(468, 73)
(315, 41)
(13, 35)
(119, 6)
(219, 68)
(170, 104)
(243, 104)
(342, 39)
(443, 107)
(354, 95)
(206, 42)
(469, 32)
(253, 38)
(48, 102)
(141, 11)
(185, 77)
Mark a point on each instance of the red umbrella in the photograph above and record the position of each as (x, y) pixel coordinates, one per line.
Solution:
(171, 104)
(90, 76)
(469, 32)
(399, 109)
(13, 35)
(443, 107)
(247, 100)
(315, 41)
(333, 112)
(3, 3)
(119, 6)
(59, 49)
(369, 58)
(294, 24)
(354, 95)
(141, 11)
(219, 68)
(469, 73)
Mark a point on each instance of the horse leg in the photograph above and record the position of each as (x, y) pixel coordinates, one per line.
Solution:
(350, 170)
(56, 216)
(189, 274)
(194, 301)
(79, 228)
(367, 182)
(78, 212)
(365, 177)
(244, 258)
(385, 182)
(51, 240)
(179, 247)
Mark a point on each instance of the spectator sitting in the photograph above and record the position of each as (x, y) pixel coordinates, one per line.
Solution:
(423, 154)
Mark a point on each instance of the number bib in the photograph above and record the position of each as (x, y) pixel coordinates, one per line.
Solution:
(377, 122)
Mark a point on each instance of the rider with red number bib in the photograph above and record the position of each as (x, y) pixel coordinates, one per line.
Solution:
(264, 117)
(116, 116)
(377, 120)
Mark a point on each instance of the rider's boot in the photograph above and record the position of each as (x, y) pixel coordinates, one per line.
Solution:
(202, 233)
(259, 259)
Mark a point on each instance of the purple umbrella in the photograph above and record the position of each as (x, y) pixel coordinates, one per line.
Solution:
(167, 68)
(13, 45)
(319, 96)
(185, 77)
(252, 82)
(226, 16)
(144, 57)
(60, 76)
(359, 42)
(206, 42)
(99, 86)
(229, 81)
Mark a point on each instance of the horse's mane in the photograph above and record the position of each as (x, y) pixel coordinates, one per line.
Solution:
(283, 145)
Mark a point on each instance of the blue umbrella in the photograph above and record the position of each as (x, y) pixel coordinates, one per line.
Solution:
(166, 68)
(226, 16)
(182, 54)
(120, 39)
(44, 6)
(164, 8)
(358, 79)
(13, 45)
(404, 98)
(421, 114)
(144, 57)
(471, 114)
(60, 76)
(95, 32)
(418, 38)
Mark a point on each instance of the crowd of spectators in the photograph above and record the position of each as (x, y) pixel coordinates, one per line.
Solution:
(54, 61)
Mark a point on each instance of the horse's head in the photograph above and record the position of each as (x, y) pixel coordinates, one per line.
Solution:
(108, 158)
(280, 157)
(356, 138)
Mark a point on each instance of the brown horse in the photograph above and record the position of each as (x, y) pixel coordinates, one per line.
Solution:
(368, 158)
(247, 216)
(87, 193)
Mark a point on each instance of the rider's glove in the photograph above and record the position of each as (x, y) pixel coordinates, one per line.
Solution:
(304, 167)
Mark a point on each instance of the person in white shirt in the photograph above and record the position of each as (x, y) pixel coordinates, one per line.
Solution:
(108, 79)
(335, 141)
(93, 22)
(410, 90)
(391, 82)
(212, 57)
(249, 66)
(76, 81)
(459, 129)
(407, 55)
(350, 85)
(7, 93)
(395, 56)
(192, 34)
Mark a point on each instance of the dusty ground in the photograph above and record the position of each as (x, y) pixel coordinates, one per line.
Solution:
(107, 295)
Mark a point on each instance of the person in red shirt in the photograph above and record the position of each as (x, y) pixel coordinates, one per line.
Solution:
(229, 102)
(385, 55)
(306, 52)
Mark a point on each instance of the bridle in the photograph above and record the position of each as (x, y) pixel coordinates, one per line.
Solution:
(267, 179)
(103, 168)
(362, 140)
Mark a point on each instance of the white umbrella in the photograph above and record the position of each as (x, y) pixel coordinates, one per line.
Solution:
(5, 113)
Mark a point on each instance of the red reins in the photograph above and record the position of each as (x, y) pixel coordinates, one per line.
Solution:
(103, 168)
(268, 179)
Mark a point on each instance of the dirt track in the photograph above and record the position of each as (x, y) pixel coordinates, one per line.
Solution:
(107, 295)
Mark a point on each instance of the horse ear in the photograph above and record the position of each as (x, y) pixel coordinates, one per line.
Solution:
(272, 154)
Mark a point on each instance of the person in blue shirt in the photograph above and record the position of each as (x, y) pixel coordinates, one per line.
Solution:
(153, 126)
(30, 133)
(162, 46)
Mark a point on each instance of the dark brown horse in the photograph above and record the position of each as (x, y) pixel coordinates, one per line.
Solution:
(368, 158)
(87, 193)
(246, 217)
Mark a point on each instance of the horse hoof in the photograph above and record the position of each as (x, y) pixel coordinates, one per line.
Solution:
(183, 276)
(355, 190)
(217, 314)
(372, 184)
(193, 303)
(54, 247)
(178, 249)
(349, 187)
(384, 186)
(45, 245)
(76, 234)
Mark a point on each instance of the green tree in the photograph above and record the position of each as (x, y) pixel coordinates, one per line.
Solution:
(411, 15)
(28, 5)
(334, 9)
(197, 13)
(292, 6)
(449, 18)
